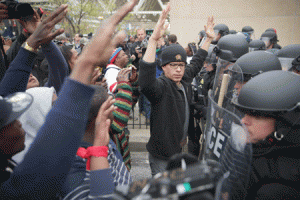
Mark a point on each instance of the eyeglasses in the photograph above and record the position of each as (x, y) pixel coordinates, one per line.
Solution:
(175, 66)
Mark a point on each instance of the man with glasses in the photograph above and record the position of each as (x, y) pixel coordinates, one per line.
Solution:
(170, 95)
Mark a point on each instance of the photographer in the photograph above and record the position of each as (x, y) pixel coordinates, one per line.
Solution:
(136, 48)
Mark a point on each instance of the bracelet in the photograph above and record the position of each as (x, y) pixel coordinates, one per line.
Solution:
(97, 151)
(29, 48)
(25, 30)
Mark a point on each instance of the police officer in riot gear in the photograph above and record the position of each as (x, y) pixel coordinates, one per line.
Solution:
(276, 46)
(287, 54)
(256, 45)
(220, 31)
(271, 104)
(228, 50)
(210, 65)
(270, 39)
(249, 30)
(231, 47)
(257, 62)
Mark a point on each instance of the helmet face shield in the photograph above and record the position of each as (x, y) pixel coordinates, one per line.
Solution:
(286, 63)
(253, 49)
(212, 58)
(228, 82)
(266, 40)
(250, 32)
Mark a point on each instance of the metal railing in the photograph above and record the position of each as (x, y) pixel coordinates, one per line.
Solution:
(138, 120)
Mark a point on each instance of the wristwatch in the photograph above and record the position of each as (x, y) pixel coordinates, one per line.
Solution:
(29, 48)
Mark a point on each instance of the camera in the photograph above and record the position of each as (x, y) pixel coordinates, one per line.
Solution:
(197, 181)
(139, 49)
(18, 10)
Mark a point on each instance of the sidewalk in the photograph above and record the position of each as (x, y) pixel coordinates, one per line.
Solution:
(139, 135)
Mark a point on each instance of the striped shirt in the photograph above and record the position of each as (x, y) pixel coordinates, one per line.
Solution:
(99, 184)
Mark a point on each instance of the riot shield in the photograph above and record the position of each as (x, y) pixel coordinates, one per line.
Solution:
(226, 138)
(227, 142)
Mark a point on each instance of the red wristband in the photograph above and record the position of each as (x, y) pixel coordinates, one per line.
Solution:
(25, 30)
(97, 151)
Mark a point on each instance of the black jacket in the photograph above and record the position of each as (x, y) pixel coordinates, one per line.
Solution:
(167, 106)
(275, 171)
(132, 52)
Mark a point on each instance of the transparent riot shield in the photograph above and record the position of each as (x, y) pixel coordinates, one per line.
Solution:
(227, 142)
(226, 138)
(228, 82)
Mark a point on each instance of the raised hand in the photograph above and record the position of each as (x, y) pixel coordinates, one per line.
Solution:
(160, 27)
(43, 33)
(133, 76)
(99, 50)
(123, 75)
(209, 28)
(103, 121)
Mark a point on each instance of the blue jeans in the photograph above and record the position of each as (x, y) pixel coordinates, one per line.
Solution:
(145, 106)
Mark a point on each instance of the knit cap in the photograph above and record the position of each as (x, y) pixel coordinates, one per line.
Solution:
(173, 53)
(114, 55)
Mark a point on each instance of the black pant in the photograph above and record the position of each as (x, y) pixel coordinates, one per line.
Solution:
(194, 137)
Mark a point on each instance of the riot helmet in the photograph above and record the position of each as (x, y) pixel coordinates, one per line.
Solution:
(287, 54)
(274, 94)
(231, 47)
(271, 29)
(256, 45)
(296, 65)
(247, 29)
(232, 32)
(257, 62)
(270, 38)
(221, 29)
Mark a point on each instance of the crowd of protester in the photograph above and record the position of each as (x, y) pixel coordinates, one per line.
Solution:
(65, 105)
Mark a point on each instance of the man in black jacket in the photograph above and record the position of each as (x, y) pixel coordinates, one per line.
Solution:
(170, 94)
(136, 49)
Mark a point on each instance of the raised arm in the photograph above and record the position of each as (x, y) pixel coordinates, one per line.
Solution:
(99, 183)
(147, 77)
(29, 26)
(197, 61)
(49, 159)
(58, 67)
(17, 75)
